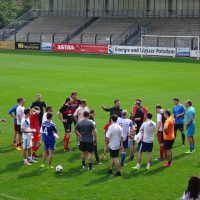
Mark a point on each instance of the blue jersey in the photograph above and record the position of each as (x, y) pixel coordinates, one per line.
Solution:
(177, 110)
(13, 110)
(48, 130)
(190, 114)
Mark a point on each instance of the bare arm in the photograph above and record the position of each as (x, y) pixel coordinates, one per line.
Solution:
(60, 117)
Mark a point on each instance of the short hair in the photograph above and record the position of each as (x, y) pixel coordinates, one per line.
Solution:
(124, 112)
(176, 99)
(114, 118)
(138, 103)
(149, 115)
(86, 114)
(92, 111)
(115, 101)
(36, 108)
(48, 108)
(27, 111)
(159, 106)
(83, 101)
(73, 93)
(19, 99)
(49, 116)
(189, 103)
(38, 95)
(167, 112)
(67, 100)
(139, 100)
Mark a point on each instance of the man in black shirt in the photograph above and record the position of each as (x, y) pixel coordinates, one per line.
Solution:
(41, 104)
(139, 116)
(116, 110)
(65, 114)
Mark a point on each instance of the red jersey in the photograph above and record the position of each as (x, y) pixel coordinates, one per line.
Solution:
(75, 104)
(35, 124)
(144, 109)
(107, 126)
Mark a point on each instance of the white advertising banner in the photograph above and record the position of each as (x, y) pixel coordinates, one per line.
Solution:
(194, 54)
(137, 50)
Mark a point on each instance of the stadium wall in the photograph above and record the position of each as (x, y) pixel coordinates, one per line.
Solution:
(120, 8)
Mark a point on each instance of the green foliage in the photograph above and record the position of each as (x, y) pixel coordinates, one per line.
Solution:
(99, 79)
(11, 9)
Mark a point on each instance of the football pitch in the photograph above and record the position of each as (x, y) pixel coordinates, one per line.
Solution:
(99, 79)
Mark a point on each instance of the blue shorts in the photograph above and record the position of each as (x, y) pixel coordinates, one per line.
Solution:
(48, 144)
(190, 130)
(146, 147)
(125, 143)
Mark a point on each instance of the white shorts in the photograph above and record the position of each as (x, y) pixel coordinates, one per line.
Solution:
(27, 143)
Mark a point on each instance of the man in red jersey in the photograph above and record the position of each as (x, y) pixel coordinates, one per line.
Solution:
(66, 117)
(35, 124)
(142, 107)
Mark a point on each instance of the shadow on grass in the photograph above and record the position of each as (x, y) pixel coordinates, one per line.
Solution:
(35, 172)
(7, 150)
(11, 167)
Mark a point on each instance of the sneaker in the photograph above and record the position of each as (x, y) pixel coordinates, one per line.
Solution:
(67, 150)
(83, 167)
(110, 171)
(27, 163)
(159, 159)
(118, 174)
(42, 165)
(32, 161)
(18, 148)
(50, 167)
(167, 164)
(148, 166)
(89, 169)
(137, 167)
(130, 159)
(35, 158)
(189, 152)
(99, 163)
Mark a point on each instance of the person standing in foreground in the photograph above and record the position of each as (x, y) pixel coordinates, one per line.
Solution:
(115, 110)
(65, 114)
(20, 116)
(193, 189)
(179, 112)
(12, 113)
(49, 135)
(127, 128)
(41, 104)
(160, 126)
(27, 137)
(190, 125)
(169, 137)
(114, 137)
(86, 133)
(148, 130)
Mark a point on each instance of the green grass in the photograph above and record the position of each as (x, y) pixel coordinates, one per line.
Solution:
(99, 79)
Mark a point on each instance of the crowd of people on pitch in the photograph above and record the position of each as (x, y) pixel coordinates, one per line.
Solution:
(123, 132)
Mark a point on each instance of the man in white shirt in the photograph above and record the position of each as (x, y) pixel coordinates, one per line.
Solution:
(49, 109)
(127, 127)
(78, 114)
(148, 129)
(19, 116)
(160, 126)
(114, 141)
(27, 137)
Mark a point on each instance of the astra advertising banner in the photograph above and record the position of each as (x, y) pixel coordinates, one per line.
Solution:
(80, 48)
(27, 45)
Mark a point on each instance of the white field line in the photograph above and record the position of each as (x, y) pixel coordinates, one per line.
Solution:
(6, 196)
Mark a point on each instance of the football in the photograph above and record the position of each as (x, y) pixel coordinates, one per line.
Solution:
(59, 169)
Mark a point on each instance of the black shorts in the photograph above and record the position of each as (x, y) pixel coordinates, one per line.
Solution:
(19, 131)
(146, 147)
(114, 153)
(179, 127)
(168, 144)
(67, 127)
(86, 146)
